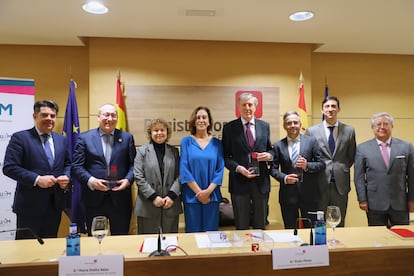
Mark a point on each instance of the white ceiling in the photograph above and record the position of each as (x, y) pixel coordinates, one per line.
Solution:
(339, 26)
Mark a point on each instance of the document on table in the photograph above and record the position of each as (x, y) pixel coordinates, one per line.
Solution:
(151, 244)
(283, 237)
(203, 241)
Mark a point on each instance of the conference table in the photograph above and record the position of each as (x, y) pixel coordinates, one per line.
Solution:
(366, 250)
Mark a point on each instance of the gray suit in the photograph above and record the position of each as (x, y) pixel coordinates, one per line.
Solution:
(334, 182)
(148, 178)
(383, 188)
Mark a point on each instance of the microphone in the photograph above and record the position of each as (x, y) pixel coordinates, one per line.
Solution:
(27, 229)
(159, 252)
(295, 231)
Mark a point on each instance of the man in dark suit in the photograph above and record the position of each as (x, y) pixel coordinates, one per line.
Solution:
(296, 164)
(249, 191)
(41, 176)
(103, 162)
(334, 182)
(384, 175)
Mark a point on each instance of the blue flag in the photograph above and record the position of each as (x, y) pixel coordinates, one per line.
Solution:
(71, 130)
(326, 95)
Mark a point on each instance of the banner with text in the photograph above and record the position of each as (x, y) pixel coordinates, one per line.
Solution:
(176, 103)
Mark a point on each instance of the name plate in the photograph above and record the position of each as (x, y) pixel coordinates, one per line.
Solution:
(91, 265)
(298, 257)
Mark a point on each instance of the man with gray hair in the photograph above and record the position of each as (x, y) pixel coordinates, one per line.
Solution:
(244, 139)
(384, 175)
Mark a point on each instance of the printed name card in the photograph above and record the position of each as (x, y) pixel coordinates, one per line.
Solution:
(91, 265)
(299, 257)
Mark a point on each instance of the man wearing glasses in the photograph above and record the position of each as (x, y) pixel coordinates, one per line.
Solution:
(384, 175)
(103, 162)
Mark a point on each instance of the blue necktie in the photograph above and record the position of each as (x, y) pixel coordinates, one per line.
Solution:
(47, 149)
(295, 152)
(331, 140)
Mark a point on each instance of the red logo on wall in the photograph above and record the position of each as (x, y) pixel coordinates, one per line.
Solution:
(259, 107)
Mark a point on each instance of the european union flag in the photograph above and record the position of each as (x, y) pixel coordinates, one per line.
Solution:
(71, 130)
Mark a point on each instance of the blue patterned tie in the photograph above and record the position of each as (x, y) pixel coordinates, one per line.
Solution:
(48, 150)
(295, 151)
(331, 140)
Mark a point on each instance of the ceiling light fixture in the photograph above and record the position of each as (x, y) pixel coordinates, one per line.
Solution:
(95, 7)
(301, 16)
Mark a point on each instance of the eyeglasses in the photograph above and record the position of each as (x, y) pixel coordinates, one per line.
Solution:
(108, 115)
(382, 125)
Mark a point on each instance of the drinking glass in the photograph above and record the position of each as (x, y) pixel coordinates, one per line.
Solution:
(333, 218)
(99, 229)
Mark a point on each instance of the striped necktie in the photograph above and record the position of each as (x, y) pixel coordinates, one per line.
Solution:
(295, 151)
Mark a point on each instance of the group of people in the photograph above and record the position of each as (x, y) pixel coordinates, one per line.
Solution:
(313, 170)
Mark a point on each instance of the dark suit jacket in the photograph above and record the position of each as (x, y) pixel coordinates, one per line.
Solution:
(237, 150)
(25, 160)
(89, 160)
(382, 187)
(308, 190)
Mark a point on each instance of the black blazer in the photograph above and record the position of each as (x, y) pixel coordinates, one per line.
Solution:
(308, 190)
(236, 152)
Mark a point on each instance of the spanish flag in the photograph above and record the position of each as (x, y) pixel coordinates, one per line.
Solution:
(120, 106)
(302, 104)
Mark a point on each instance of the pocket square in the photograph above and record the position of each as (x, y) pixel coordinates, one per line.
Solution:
(400, 157)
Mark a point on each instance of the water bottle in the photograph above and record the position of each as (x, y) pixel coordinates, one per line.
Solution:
(320, 228)
(73, 241)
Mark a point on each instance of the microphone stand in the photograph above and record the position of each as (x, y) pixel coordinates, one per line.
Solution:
(39, 239)
(160, 252)
(295, 231)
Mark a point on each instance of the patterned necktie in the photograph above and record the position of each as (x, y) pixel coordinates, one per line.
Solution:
(295, 151)
(249, 135)
(331, 140)
(47, 148)
(108, 147)
(385, 154)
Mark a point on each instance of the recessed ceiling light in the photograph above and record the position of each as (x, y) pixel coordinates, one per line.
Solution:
(95, 7)
(301, 16)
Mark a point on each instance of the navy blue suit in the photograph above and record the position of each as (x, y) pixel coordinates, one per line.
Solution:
(302, 195)
(24, 161)
(89, 160)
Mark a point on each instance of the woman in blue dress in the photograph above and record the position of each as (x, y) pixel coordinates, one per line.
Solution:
(201, 173)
